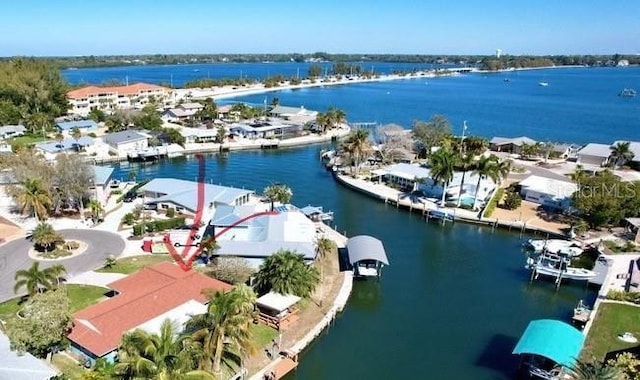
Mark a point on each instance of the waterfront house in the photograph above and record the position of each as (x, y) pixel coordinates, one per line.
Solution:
(162, 193)
(366, 255)
(547, 192)
(293, 113)
(23, 366)
(141, 300)
(52, 148)
(101, 183)
(225, 112)
(547, 344)
(198, 135)
(85, 126)
(634, 147)
(414, 177)
(126, 142)
(509, 144)
(254, 232)
(565, 151)
(264, 129)
(594, 154)
(109, 99)
(9, 131)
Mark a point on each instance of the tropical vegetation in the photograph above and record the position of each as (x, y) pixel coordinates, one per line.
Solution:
(35, 280)
(356, 147)
(286, 272)
(278, 193)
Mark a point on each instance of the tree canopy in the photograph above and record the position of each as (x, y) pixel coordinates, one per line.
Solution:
(286, 272)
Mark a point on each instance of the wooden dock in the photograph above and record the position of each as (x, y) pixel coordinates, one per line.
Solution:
(281, 366)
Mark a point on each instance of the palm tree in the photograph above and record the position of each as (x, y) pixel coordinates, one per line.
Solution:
(357, 146)
(33, 198)
(59, 139)
(167, 355)
(56, 272)
(621, 153)
(335, 116)
(442, 164)
(595, 370)
(209, 246)
(96, 208)
(486, 167)
(286, 272)
(76, 134)
(465, 163)
(324, 247)
(34, 279)
(225, 328)
(45, 236)
(278, 193)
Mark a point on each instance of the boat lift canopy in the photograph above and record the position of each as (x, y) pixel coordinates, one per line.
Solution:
(551, 339)
(365, 247)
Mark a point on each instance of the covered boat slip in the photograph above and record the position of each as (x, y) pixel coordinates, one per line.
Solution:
(550, 347)
(366, 255)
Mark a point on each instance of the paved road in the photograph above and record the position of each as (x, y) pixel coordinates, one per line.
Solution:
(14, 256)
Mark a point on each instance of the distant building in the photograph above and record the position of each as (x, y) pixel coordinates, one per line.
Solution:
(142, 300)
(52, 148)
(510, 144)
(124, 142)
(182, 195)
(264, 129)
(548, 192)
(109, 99)
(634, 147)
(202, 135)
(566, 151)
(300, 114)
(182, 112)
(9, 131)
(85, 126)
(623, 63)
(594, 154)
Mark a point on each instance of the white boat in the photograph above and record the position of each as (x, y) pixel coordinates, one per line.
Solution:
(557, 246)
(543, 84)
(627, 93)
(558, 267)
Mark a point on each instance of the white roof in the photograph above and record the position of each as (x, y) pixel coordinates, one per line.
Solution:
(407, 171)
(198, 132)
(598, 150)
(276, 301)
(179, 314)
(24, 367)
(517, 141)
(550, 186)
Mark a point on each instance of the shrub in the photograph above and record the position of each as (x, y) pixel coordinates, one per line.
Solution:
(494, 202)
(512, 200)
(56, 253)
(116, 192)
(71, 245)
(137, 230)
(92, 134)
(171, 212)
(232, 270)
(158, 225)
(129, 219)
(621, 295)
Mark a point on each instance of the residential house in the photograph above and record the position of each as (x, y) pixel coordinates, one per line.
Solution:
(254, 232)
(634, 147)
(414, 177)
(101, 183)
(85, 126)
(182, 112)
(510, 145)
(199, 135)
(125, 142)
(162, 193)
(292, 113)
(565, 151)
(142, 301)
(547, 192)
(109, 99)
(594, 154)
(9, 131)
(264, 129)
(225, 113)
(52, 148)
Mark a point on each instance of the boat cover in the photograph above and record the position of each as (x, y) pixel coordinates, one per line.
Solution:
(552, 339)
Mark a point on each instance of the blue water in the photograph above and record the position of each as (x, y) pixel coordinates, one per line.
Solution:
(580, 105)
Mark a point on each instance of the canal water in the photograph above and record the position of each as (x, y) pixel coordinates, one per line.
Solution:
(451, 305)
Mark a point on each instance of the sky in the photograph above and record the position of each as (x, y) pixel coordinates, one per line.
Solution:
(479, 27)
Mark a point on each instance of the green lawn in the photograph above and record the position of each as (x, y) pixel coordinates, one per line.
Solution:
(81, 296)
(612, 320)
(27, 140)
(129, 265)
(263, 335)
(71, 368)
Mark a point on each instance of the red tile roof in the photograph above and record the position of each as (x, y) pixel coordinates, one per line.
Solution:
(143, 296)
(133, 89)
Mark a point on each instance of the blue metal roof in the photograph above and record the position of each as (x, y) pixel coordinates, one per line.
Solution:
(81, 124)
(66, 144)
(552, 339)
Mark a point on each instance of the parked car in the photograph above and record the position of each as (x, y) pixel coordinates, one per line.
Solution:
(129, 197)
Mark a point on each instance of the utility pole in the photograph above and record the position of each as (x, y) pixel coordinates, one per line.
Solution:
(464, 129)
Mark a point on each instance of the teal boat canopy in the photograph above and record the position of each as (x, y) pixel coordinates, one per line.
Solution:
(552, 339)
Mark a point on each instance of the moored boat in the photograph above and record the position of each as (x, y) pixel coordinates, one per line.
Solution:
(627, 93)
(558, 266)
(557, 246)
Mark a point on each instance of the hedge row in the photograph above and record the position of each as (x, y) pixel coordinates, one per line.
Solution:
(493, 203)
(158, 225)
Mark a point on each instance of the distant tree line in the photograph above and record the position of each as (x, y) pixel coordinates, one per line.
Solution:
(168, 59)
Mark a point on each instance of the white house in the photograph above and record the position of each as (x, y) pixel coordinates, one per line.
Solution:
(85, 126)
(594, 154)
(510, 144)
(203, 135)
(51, 149)
(125, 142)
(9, 131)
(101, 181)
(548, 192)
(182, 112)
(264, 129)
(289, 113)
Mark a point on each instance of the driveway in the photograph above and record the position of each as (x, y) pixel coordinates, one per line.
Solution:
(14, 256)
